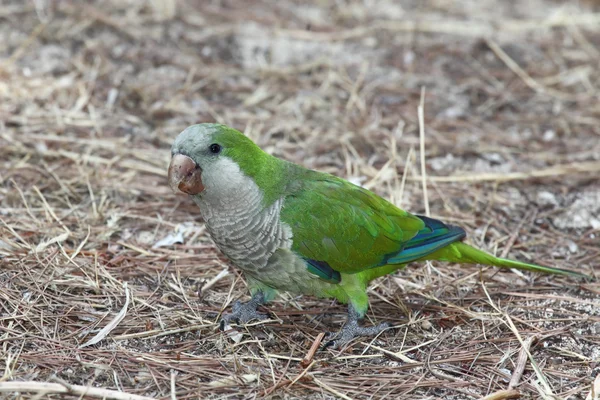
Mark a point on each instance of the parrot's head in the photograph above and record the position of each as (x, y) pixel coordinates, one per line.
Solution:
(213, 160)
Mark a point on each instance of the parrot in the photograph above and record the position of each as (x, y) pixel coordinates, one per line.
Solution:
(297, 230)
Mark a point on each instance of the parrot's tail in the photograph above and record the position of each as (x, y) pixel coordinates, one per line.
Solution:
(463, 253)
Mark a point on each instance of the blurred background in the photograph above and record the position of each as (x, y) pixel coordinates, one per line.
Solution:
(93, 93)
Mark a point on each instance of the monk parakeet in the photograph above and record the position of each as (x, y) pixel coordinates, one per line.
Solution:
(292, 229)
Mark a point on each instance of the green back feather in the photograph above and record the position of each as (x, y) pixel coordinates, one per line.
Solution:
(344, 225)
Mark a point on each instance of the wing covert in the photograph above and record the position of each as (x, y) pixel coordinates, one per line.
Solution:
(345, 226)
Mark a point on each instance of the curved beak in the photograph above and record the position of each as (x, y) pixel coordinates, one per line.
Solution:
(185, 175)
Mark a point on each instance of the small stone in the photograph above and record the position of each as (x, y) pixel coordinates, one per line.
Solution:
(549, 135)
(441, 163)
(545, 198)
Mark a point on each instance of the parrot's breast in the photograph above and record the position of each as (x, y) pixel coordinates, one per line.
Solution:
(246, 231)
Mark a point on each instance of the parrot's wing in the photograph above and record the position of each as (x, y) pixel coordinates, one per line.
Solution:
(342, 228)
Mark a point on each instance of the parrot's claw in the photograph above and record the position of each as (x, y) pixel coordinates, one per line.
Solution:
(243, 313)
(353, 330)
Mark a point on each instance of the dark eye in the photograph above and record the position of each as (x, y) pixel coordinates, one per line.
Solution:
(214, 148)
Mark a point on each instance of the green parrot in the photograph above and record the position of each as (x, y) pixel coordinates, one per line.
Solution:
(292, 229)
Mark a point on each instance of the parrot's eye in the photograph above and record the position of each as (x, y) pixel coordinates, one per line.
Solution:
(215, 148)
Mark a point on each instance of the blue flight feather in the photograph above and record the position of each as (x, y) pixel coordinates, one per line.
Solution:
(432, 237)
(323, 271)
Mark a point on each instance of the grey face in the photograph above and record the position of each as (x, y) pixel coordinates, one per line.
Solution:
(199, 143)
(198, 166)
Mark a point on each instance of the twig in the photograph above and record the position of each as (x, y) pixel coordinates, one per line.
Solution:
(420, 111)
(47, 387)
(554, 171)
(547, 390)
(104, 332)
(173, 385)
(513, 237)
(594, 393)
(301, 374)
(521, 362)
(212, 282)
(525, 77)
(313, 349)
(156, 333)
(453, 27)
(503, 394)
(330, 389)
(405, 175)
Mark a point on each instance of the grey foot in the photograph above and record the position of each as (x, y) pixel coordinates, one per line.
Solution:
(244, 312)
(353, 330)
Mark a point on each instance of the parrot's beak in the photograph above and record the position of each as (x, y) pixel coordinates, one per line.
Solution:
(185, 175)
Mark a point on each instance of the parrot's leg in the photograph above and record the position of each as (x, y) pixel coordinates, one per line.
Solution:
(352, 330)
(245, 312)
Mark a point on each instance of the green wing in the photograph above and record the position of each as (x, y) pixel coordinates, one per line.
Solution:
(342, 227)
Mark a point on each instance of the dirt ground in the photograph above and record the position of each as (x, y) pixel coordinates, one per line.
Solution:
(93, 93)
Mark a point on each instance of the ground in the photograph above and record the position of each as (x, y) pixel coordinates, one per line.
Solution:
(93, 93)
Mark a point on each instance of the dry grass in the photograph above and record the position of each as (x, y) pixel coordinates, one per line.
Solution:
(93, 93)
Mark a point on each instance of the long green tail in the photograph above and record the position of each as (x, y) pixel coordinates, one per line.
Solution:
(463, 253)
